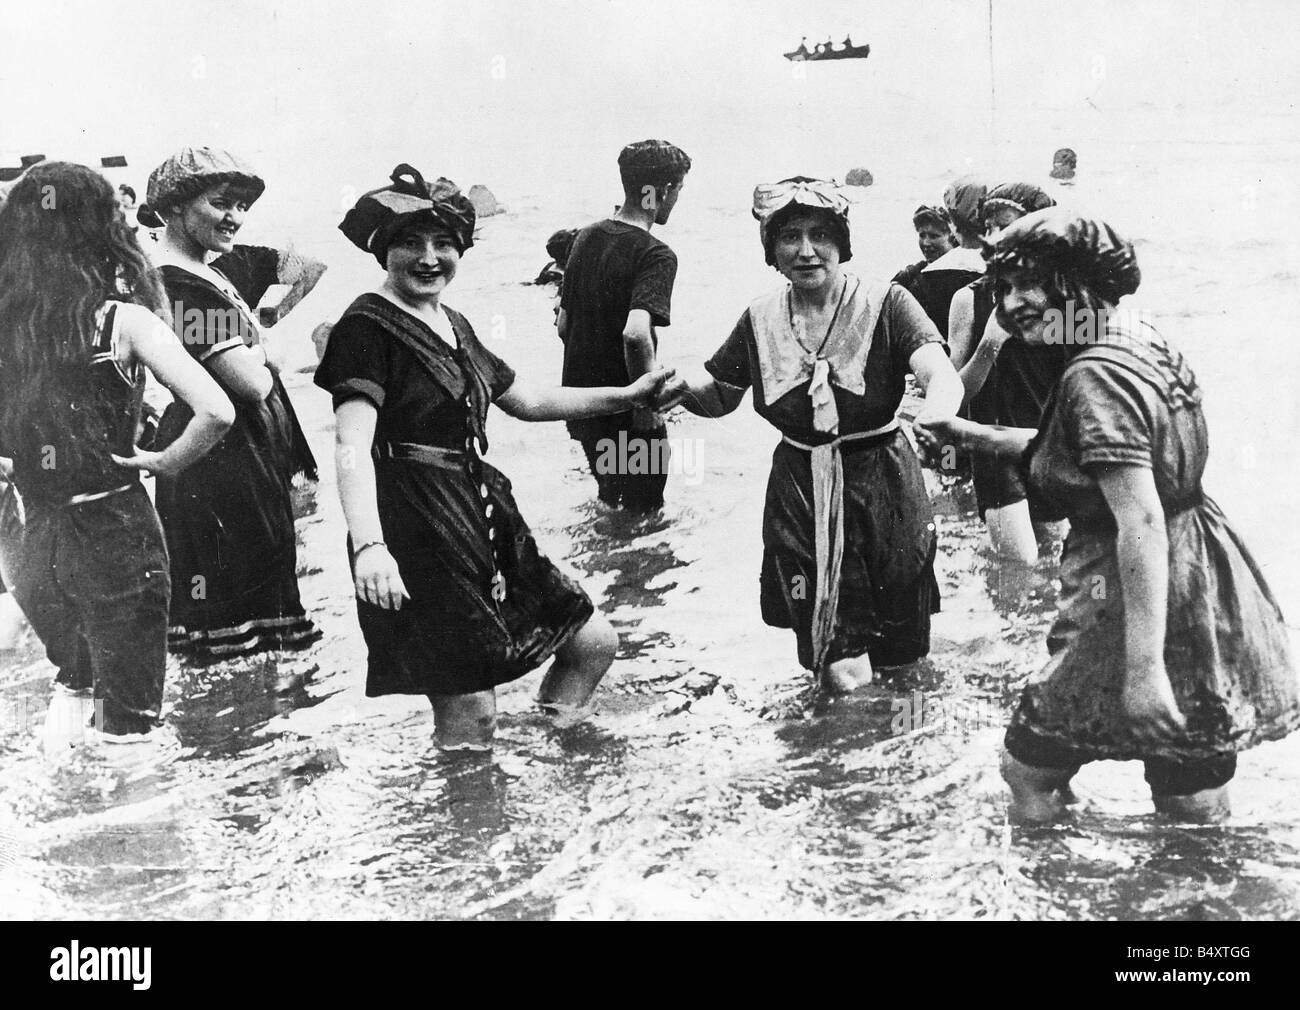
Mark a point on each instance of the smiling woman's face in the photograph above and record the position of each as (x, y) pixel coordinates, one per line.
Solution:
(422, 260)
(212, 219)
(806, 251)
(1023, 303)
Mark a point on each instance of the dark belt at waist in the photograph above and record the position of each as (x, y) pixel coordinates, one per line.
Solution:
(414, 452)
(1107, 523)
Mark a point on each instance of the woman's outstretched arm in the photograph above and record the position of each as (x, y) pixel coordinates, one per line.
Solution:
(701, 394)
(943, 389)
(976, 371)
(563, 403)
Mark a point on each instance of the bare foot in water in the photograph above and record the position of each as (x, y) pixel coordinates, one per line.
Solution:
(847, 675)
(1040, 808)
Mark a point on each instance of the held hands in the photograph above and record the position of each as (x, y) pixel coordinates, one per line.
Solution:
(1149, 703)
(377, 579)
(644, 392)
(672, 393)
(645, 395)
(934, 433)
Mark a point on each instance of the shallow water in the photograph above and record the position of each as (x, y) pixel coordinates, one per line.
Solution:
(711, 781)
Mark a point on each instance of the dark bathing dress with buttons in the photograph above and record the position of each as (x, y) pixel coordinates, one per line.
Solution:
(448, 517)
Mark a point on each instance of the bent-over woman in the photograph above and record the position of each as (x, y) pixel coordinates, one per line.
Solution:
(1168, 647)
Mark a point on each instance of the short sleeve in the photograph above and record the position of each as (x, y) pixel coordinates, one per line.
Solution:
(907, 324)
(206, 322)
(251, 269)
(653, 288)
(496, 373)
(356, 361)
(1107, 414)
(730, 362)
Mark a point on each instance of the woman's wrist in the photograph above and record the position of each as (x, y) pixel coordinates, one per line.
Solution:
(356, 551)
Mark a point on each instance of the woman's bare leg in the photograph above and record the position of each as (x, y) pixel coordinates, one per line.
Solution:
(579, 665)
(849, 674)
(1205, 807)
(1038, 795)
(1012, 533)
(464, 721)
(12, 622)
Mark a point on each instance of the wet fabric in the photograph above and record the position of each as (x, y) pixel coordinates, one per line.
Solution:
(449, 518)
(639, 488)
(612, 269)
(91, 578)
(189, 172)
(41, 470)
(11, 525)
(229, 516)
(1022, 197)
(937, 282)
(377, 217)
(887, 590)
(1088, 258)
(1165, 777)
(774, 202)
(1131, 399)
(92, 581)
(789, 356)
(963, 198)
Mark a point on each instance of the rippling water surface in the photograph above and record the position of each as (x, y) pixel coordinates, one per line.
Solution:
(711, 782)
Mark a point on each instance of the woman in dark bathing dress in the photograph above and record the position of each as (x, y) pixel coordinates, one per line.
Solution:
(453, 596)
(848, 533)
(1168, 646)
(229, 517)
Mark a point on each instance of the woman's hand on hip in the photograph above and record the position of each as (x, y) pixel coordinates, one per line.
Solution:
(377, 579)
(156, 463)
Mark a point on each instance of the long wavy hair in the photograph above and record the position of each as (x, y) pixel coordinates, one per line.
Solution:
(64, 249)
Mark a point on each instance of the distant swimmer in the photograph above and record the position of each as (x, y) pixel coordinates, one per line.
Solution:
(557, 247)
(1064, 162)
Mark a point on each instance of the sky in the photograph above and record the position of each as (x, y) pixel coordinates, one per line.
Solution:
(84, 78)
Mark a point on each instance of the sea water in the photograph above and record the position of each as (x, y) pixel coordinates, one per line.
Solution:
(711, 781)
